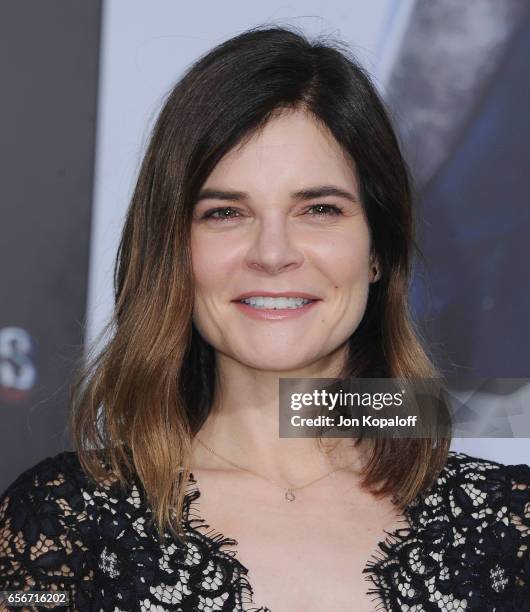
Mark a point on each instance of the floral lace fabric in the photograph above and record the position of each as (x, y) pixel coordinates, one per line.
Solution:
(466, 546)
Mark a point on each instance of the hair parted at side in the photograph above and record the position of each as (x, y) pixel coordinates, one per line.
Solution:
(137, 403)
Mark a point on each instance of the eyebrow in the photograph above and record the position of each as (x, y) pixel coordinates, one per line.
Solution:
(310, 193)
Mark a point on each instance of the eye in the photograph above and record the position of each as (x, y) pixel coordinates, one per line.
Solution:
(226, 213)
(325, 210)
(223, 213)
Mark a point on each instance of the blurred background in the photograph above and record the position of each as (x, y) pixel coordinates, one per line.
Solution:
(82, 83)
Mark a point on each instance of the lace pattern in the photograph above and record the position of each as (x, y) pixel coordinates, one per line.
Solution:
(465, 546)
(468, 547)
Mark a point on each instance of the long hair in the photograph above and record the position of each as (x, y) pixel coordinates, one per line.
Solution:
(137, 403)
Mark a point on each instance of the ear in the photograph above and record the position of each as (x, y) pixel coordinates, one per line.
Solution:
(375, 268)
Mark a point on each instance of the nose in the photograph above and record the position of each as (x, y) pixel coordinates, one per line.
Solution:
(272, 249)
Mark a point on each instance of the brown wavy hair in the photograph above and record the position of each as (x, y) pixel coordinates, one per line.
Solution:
(137, 403)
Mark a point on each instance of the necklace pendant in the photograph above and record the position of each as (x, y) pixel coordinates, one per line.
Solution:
(289, 495)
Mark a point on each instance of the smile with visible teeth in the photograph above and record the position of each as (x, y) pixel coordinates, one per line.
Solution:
(275, 303)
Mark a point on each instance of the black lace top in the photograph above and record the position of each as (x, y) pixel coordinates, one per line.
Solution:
(466, 546)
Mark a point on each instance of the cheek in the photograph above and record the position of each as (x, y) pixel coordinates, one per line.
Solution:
(346, 259)
(204, 275)
(208, 259)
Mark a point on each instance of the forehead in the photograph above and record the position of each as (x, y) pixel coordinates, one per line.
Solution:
(291, 149)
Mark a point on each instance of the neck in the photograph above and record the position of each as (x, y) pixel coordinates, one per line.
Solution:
(243, 427)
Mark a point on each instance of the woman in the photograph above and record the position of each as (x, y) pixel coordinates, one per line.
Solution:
(269, 236)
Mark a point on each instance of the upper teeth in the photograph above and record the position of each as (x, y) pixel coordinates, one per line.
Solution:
(271, 302)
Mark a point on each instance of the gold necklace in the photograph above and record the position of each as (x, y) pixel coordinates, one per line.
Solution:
(289, 492)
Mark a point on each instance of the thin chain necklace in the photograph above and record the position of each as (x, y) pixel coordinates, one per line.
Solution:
(289, 492)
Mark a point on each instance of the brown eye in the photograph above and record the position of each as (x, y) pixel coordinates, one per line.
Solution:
(220, 214)
(324, 210)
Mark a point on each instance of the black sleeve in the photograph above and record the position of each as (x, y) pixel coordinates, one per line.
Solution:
(42, 522)
(519, 516)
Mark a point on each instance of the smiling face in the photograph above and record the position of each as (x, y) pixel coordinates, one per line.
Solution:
(281, 215)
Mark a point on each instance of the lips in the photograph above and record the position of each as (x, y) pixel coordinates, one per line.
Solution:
(291, 294)
(262, 311)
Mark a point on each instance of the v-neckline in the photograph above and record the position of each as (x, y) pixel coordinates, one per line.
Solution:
(382, 552)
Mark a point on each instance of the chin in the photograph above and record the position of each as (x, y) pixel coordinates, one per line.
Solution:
(275, 363)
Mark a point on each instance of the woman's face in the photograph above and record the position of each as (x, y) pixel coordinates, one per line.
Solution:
(260, 227)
